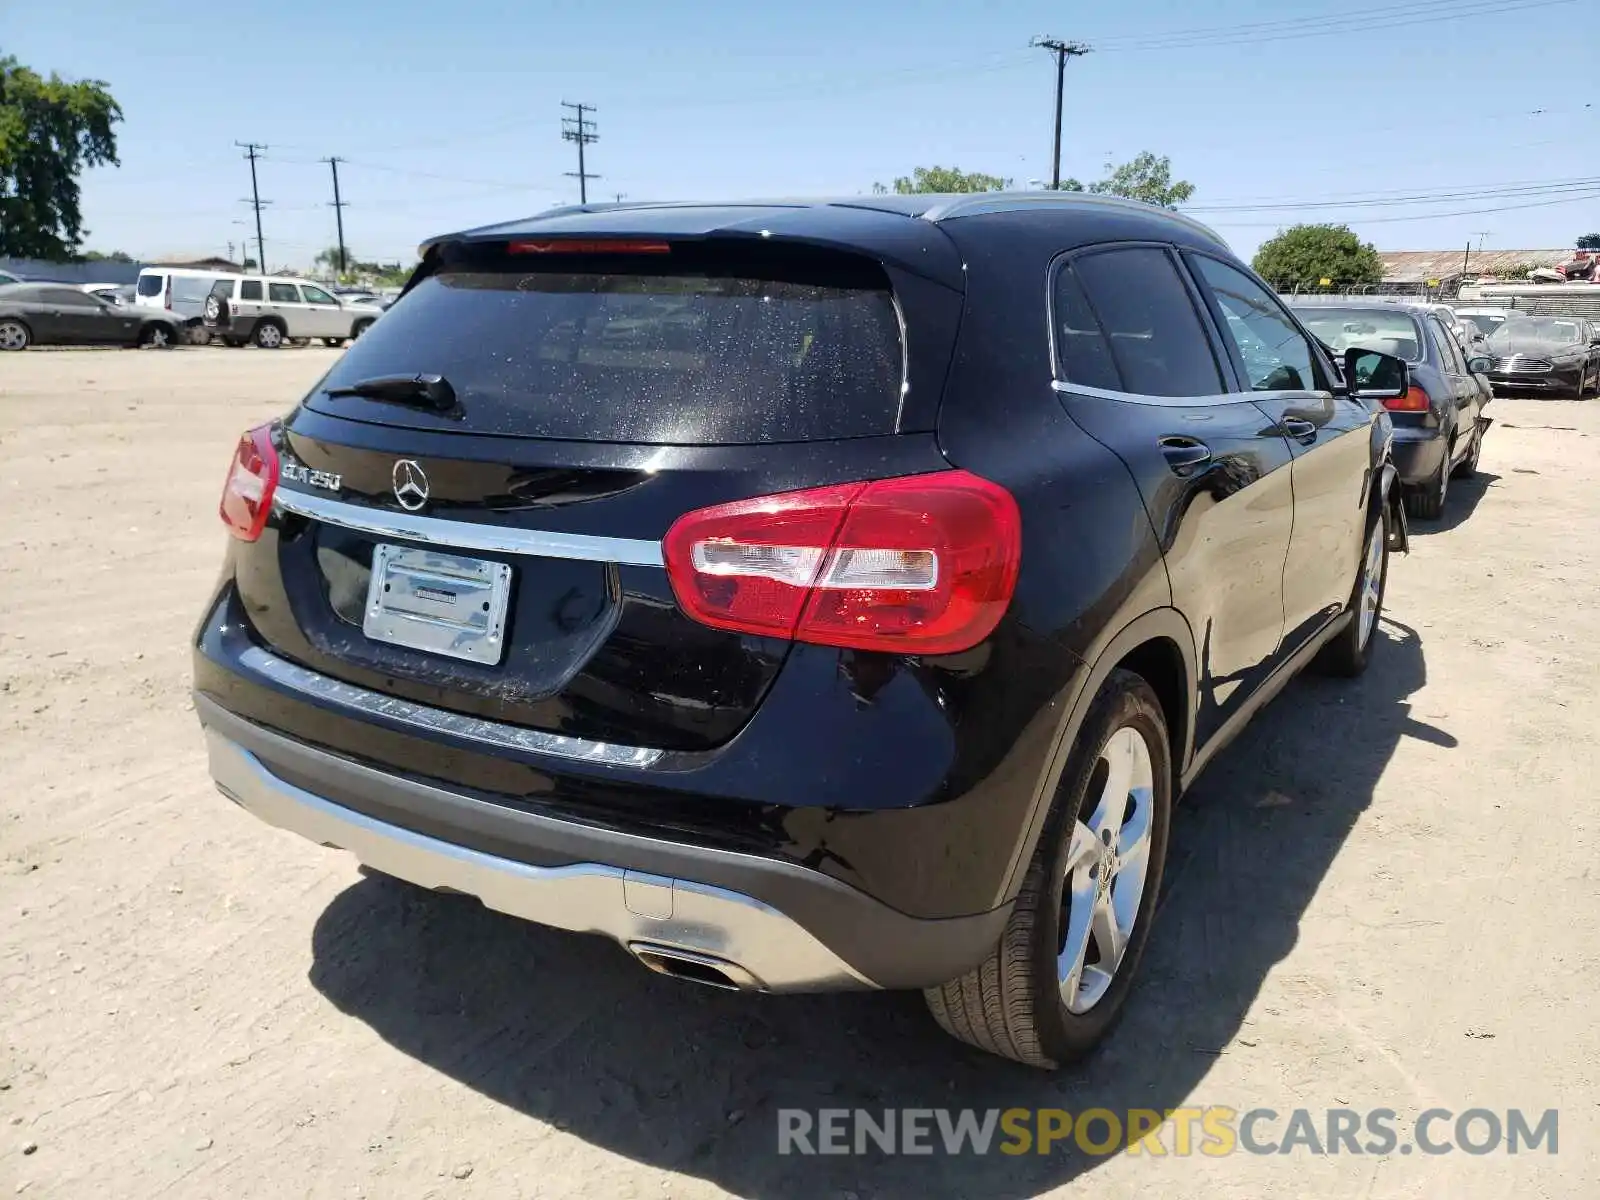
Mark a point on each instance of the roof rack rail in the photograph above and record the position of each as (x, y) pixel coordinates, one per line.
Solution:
(976, 203)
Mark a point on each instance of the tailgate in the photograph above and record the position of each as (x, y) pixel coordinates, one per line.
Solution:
(504, 559)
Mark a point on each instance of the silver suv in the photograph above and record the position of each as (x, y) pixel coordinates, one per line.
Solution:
(271, 309)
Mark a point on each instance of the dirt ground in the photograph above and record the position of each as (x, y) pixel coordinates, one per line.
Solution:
(1384, 895)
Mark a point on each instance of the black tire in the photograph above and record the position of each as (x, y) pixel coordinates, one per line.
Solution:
(1427, 501)
(158, 335)
(233, 342)
(14, 335)
(1012, 1003)
(217, 311)
(334, 342)
(1468, 466)
(361, 327)
(268, 335)
(1349, 653)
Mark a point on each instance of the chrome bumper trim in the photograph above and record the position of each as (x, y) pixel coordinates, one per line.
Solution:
(437, 720)
(469, 535)
(631, 907)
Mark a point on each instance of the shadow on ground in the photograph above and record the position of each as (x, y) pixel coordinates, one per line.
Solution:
(1459, 505)
(569, 1031)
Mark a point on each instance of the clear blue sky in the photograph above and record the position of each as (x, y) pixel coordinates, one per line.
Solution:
(449, 114)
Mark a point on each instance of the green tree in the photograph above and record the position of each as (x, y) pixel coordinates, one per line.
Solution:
(1304, 255)
(116, 256)
(50, 130)
(1146, 177)
(1589, 241)
(943, 179)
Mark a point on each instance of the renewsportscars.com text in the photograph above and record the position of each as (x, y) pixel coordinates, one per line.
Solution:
(1214, 1131)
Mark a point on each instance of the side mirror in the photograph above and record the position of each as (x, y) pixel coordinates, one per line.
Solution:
(1479, 364)
(1370, 373)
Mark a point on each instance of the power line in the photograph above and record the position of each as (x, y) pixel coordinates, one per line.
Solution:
(1482, 191)
(252, 153)
(1062, 51)
(338, 208)
(580, 130)
(1429, 216)
(1230, 37)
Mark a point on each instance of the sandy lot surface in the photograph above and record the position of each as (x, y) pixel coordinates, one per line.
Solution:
(1383, 896)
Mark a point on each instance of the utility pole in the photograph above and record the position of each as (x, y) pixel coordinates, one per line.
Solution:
(1062, 51)
(581, 130)
(252, 153)
(338, 211)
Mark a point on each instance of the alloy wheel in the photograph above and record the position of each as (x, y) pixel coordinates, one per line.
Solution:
(270, 338)
(1371, 582)
(1108, 861)
(13, 336)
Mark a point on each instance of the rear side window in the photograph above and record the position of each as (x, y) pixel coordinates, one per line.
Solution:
(250, 289)
(1150, 323)
(150, 285)
(652, 357)
(283, 293)
(222, 289)
(1082, 351)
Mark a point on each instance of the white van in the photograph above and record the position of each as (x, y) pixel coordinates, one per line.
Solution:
(181, 291)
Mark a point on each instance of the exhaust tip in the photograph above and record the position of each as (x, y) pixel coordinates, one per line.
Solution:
(694, 967)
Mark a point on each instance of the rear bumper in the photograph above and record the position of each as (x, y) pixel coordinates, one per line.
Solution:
(759, 924)
(1417, 454)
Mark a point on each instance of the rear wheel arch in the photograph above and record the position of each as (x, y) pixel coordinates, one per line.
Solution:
(1159, 647)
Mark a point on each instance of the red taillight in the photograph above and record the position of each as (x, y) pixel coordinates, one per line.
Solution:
(589, 246)
(923, 564)
(1415, 400)
(252, 478)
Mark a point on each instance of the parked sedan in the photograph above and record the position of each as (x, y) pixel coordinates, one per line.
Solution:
(46, 313)
(1438, 422)
(1546, 354)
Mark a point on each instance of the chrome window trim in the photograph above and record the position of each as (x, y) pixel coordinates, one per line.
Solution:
(438, 720)
(1066, 387)
(469, 535)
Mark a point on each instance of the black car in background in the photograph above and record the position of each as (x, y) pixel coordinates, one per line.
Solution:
(806, 595)
(1558, 355)
(1438, 422)
(57, 313)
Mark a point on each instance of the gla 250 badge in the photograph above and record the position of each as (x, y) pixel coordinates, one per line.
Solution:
(300, 473)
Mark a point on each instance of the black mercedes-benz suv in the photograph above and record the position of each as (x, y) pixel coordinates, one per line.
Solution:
(805, 595)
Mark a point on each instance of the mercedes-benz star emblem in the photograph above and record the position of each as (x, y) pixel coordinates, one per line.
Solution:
(410, 485)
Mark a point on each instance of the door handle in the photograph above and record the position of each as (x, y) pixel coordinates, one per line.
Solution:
(1298, 428)
(1184, 454)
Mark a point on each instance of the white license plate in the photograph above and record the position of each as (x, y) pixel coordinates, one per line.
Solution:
(441, 603)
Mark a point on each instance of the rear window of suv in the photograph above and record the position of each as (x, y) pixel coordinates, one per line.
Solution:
(150, 285)
(647, 355)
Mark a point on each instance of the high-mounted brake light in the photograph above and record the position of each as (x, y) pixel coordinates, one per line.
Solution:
(589, 246)
(1415, 400)
(923, 564)
(252, 478)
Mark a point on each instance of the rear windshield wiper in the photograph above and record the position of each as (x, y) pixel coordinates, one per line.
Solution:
(424, 391)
